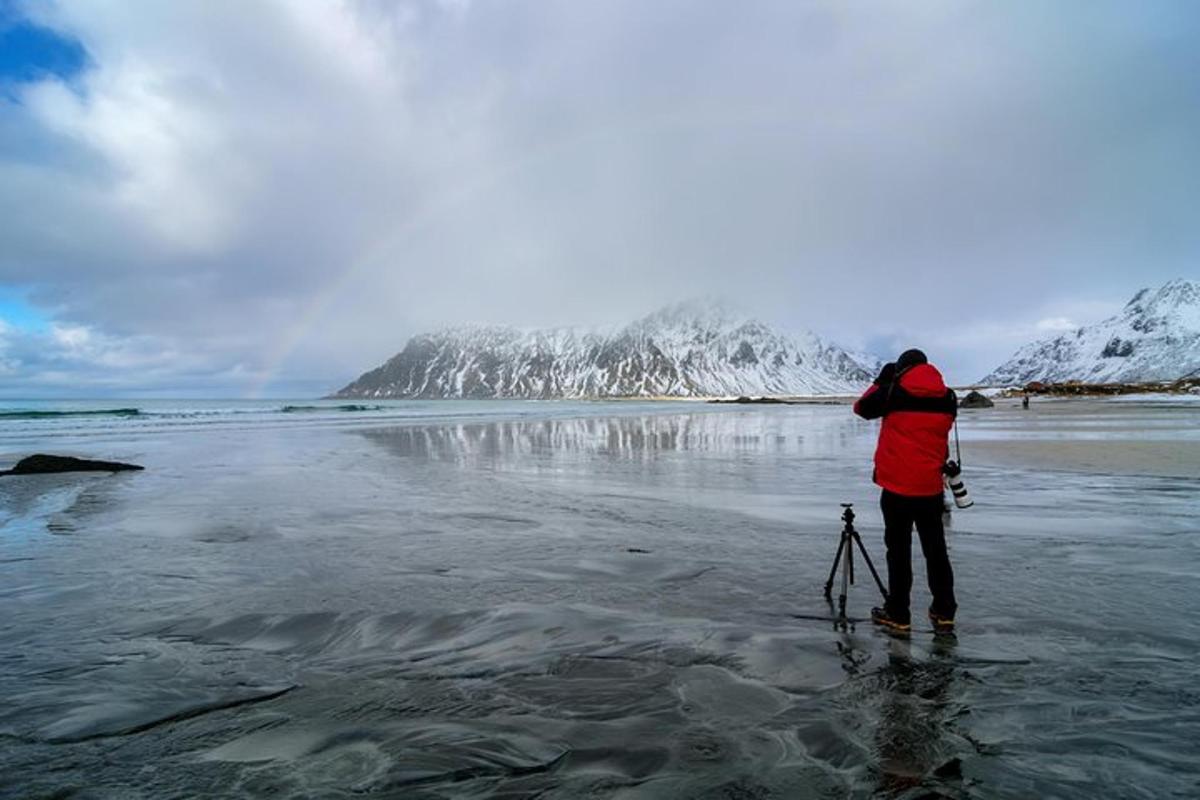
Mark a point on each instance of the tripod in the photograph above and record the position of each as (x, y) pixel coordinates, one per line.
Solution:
(845, 557)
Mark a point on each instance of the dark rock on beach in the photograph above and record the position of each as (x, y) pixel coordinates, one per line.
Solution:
(743, 400)
(43, 464)
(975, 400)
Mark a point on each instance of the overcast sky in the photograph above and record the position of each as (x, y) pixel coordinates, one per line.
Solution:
(232, 198)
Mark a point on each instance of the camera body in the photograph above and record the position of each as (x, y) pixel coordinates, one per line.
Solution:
(952, 478)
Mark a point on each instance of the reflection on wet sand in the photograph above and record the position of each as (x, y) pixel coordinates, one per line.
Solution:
(634, 437)
(915, 743)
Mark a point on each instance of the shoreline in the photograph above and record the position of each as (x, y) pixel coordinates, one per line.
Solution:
(1181, 386)
(1186, 387)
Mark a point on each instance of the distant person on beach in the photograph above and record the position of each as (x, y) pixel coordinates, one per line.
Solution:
(917, 411)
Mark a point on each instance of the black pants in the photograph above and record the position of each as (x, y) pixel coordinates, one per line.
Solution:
(899, 515)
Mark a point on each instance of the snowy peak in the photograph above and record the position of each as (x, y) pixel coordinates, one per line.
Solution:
(1156, 337)
(1174, 303)
(699, 348)
(700, 312)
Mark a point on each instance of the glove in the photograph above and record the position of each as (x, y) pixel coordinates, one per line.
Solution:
(886, 375)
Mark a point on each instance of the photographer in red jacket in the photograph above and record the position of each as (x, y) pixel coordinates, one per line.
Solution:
(917, 411)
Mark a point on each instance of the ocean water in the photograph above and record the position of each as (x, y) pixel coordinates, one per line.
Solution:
(566, 600)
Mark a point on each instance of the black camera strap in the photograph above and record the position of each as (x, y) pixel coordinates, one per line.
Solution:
(896, 376)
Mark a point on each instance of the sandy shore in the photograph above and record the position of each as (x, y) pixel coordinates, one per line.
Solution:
(1078, 434)
(1105, 437)
(1161, 459)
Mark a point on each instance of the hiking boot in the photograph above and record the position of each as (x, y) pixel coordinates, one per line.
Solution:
(880, 616)
(941, 625)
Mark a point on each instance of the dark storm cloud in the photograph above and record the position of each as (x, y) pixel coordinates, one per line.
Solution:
(285, 190)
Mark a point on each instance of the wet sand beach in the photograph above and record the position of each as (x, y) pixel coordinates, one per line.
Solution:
(1106, 437)
(591, 600)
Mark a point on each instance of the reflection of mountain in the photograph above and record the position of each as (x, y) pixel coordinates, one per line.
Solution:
(826, 432)
(781, 464)
(1156, 337)
(684, 351)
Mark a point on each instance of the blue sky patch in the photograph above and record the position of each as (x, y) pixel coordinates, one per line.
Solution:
(29, 52)
(15, 310)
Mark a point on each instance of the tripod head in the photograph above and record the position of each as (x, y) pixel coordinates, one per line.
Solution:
(848, 513)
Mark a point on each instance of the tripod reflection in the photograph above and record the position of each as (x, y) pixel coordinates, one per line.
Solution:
(915, 742)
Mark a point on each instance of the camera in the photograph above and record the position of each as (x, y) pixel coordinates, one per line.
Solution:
(952, 477)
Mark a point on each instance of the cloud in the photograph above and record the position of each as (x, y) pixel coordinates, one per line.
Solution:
(1056, 324)
(66, 356)
(988, 338)
(286, 190)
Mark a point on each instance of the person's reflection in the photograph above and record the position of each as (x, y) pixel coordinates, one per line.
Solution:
(913, 742)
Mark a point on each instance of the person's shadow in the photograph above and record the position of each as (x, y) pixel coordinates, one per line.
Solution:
(916, 745)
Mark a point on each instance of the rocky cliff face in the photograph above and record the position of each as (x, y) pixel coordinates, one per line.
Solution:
(1156, 337)
(688, 350)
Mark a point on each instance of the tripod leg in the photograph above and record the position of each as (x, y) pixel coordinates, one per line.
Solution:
(847, 572)
(870, 566)
(833, 572)
(850, 562)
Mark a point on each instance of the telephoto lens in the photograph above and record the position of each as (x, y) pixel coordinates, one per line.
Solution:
(952, 477)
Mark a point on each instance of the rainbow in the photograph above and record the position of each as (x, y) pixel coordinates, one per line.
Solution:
(441, 206)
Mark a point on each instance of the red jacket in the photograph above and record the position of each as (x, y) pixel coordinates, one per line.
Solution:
(917, 412)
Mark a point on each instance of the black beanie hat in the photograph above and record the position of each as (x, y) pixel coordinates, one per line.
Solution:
(910, 358)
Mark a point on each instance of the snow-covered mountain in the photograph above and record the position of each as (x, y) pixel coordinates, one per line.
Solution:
(687, 350)
(1156, 337)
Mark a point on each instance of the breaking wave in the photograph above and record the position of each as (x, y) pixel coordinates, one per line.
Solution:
(346, 407)
(49, 414)
(104, 412)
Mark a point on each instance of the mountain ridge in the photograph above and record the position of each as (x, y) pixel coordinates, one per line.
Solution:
(1155, 337)
(689, 349)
